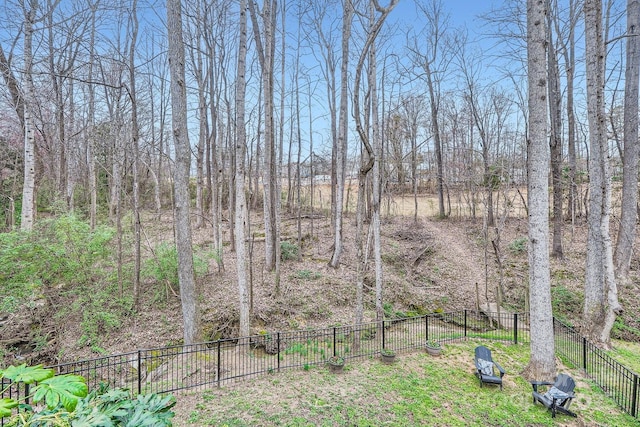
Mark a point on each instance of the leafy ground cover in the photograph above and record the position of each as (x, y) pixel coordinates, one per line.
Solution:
(417, 390)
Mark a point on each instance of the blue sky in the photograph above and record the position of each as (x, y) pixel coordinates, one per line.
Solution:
(462, 12)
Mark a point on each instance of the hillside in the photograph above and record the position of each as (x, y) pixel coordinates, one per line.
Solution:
(431, 265)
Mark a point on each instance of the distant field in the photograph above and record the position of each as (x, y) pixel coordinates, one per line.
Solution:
(427, 204)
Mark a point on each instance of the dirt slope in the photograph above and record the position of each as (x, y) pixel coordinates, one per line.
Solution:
(431, 265)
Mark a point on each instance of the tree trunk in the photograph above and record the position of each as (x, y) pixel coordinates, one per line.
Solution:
(376, 184)
(188, 294)
(266, 52)
(437, 144)
(601, 301)
(241, 204)
(555, 143)
(91, 161)
(28, 190)
(627, 230)
(568, 51)
(437, 23)
(368, 162)
(341, 147)
(136, 155)
(542, 364)
(58, 101)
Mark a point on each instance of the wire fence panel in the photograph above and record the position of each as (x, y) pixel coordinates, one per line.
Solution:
(173, 368)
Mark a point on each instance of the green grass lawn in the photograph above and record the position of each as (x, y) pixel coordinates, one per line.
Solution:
(627, 354)
(417, 390)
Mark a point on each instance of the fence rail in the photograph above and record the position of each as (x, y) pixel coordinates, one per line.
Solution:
(617, 381)
(169, 369)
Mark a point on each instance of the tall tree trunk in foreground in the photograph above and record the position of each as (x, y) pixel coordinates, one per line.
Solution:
(186, 277)
(601, 295)
(542, 364)
(627, 230)
(241, 204)
(28, 189)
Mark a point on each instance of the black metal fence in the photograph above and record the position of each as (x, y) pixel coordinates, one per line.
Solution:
(168, 369)
(619, 382)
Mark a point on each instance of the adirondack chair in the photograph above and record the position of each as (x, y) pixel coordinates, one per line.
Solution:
(558, 397)
(486, 367)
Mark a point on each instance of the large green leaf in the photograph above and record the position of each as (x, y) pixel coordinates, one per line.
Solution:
(27, 374)
(61, 389)
(156, 402)
(6, 405)
(95, 418)
(142, 417)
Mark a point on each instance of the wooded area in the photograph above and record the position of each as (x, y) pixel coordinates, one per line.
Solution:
(219, 109)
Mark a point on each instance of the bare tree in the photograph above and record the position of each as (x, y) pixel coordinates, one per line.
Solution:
(135, 145)
(90, 143)
(370, 156)
(627, 230)
(404, 126)
(601, 295)
(241, 204)
(567, 45)
(555, 139)
(341, 142)
(322, 31)
(182, 218)
(265, 46)
(542, 363)
(13, 85)
(480, 106)
(434, 61)
(29, 11)
(200, 75)
(215, 37)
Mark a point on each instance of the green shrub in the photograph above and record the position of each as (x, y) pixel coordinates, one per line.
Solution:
(62, 251)
(308, 275)
(288, 251)
(66, 402)
(519, 245)
(163, 267)
(392, 313)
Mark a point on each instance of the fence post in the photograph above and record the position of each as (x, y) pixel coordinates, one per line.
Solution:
(515, 328)
(634, 402)
(139, 372)
(584, 354)
(334, 341)
(383, 337)
(278, 351)
(465, 322)
(426, 328)
(218, 369)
